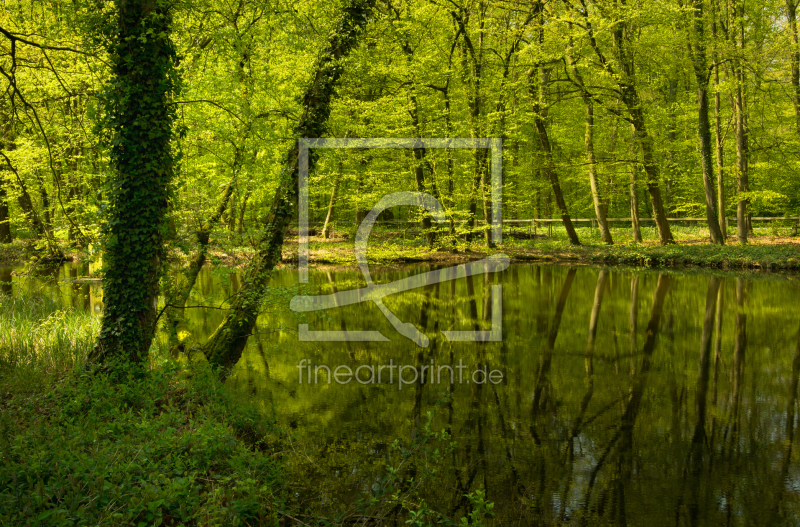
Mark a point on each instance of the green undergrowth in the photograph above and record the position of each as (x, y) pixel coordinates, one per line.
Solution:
(139, 447)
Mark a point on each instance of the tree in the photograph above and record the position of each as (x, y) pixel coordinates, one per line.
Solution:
(139, 130)
(701, 73)
(225, 346)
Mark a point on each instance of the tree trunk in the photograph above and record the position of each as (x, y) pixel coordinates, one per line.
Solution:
(700, 63)
(6, 141)
(5, 223)
(626, 81)
(720, 150)
(420, 156)
(791, 15)
(651, 170)
(140, 117)
(179, 295)
(242, 209)
(332, 204)
(224, 348)
(472, 74)
(537, 88)
(634, 195)
(742, 147)
(600, 207)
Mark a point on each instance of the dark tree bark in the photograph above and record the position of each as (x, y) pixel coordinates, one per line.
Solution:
(224, 348)
(546, 151)
(472, 73)
(701, 70)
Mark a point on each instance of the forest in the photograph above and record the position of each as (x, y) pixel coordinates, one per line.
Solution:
(169, 186)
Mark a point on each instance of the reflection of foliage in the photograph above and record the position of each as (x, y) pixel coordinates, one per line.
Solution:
(409, 467)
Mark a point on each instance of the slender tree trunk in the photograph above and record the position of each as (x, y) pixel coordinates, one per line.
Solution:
(536, 88)
(538, 80)
(420, 155)
(791, 15)
(720, 145)
(6, 143)
(736, 28)
(5, 222)
(652, 172)
(332, 205)
(242, 209)
(703, 122)
(472, 72)
(672, 136)
(634, 193)
(225, 346)
(600, 206)
(177, 298)
(629, 94)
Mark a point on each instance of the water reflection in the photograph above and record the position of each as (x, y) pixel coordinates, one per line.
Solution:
(626, 398)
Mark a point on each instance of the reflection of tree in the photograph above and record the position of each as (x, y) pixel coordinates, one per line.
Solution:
(621, 442)
(602, 280)
(701, 392)
(546, 357)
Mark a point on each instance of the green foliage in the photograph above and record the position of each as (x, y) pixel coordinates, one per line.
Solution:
(139, 448)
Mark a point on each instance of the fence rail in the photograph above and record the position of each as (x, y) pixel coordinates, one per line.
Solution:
(534, 223)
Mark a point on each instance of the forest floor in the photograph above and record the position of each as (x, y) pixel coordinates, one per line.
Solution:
(764, 250)
(767, 249)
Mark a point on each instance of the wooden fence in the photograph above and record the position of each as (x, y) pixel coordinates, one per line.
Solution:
(534, 225)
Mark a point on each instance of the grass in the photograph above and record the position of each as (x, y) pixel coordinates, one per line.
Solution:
(38, 336)
(144, 446)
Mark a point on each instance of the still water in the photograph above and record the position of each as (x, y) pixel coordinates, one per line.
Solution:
(614, 397)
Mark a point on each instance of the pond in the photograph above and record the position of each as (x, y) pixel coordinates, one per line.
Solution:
(596, 396)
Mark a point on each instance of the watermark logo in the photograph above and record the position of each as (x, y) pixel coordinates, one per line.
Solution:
(401, 374)
(376, 292)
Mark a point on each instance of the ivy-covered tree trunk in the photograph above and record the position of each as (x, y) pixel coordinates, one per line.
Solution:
(225, 346)
(138, 127)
